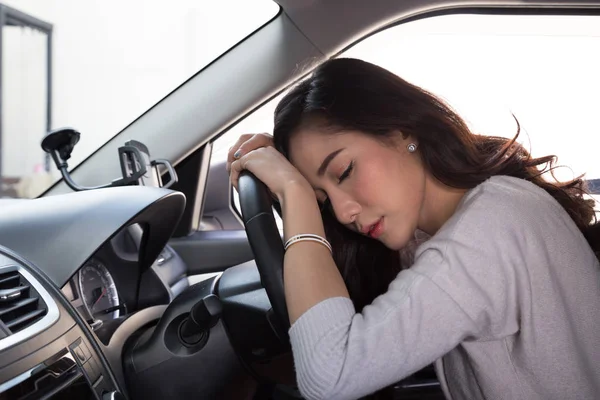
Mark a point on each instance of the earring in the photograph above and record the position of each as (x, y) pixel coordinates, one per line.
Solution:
(411, 147)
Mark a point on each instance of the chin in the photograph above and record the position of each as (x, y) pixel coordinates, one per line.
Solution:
(394, 245)
(397, 243)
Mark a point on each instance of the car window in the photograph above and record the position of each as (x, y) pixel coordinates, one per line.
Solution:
(109, 65)
(541, 69)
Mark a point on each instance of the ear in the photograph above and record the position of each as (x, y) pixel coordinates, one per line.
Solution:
(402, 138)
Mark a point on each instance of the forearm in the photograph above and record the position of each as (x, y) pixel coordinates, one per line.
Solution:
(310, 275)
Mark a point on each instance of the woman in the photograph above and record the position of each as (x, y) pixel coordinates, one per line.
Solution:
(504, 296)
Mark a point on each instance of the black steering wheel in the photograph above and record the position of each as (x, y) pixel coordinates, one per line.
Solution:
(266, 244)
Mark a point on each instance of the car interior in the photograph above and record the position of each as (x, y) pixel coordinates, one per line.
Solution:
(142, 273)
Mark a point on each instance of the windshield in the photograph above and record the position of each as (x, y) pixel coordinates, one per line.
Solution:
(109, 64)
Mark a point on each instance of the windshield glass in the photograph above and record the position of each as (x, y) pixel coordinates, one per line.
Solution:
(108, 65)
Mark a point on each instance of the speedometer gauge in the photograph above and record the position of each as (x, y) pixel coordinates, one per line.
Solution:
(98, 291)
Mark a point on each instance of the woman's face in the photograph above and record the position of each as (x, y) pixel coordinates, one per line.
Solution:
(373, 188)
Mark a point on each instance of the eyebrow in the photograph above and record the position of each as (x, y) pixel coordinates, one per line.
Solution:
(327, 161)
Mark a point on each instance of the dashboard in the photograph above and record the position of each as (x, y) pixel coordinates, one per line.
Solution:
(79, 273)
(111, 285)
(94, 304)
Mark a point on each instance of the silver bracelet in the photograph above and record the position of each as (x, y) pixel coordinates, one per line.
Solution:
(307, 237)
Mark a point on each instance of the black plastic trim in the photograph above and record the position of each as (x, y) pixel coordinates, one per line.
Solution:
(62, 232)
(213, 251)
(58, 296)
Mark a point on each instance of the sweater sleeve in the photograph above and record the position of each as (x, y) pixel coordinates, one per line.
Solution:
(460, 288)
(341, 354)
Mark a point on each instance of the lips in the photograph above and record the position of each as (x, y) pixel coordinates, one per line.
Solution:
(375, 230)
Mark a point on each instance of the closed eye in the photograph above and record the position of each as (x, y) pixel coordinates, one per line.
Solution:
(326, 204)
(347, 172)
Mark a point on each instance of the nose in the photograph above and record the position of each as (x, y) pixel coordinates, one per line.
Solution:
(345, 208)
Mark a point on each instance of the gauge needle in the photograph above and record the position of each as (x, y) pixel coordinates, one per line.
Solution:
(101, 296)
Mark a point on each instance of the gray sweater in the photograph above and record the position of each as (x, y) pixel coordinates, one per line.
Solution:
(505, 299)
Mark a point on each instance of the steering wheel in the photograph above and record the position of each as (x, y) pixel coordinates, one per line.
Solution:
(265, 240)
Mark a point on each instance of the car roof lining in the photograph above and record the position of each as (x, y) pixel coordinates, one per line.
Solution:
(263, 65)
(360, 18)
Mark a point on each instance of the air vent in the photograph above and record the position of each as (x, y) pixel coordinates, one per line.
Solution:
(26, 307)
(20, 304)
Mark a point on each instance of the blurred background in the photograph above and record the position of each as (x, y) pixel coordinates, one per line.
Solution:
(110, 62)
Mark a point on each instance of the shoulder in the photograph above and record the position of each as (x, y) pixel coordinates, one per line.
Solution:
(504, 193)
(504, 213)
(503, 203)
(502, 229)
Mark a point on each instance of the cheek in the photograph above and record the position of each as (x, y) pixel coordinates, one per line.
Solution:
(393, 184)
(410, 190)
(372, 185)
(369, 185)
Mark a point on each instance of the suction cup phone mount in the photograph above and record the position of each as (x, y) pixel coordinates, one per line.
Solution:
(136, 166)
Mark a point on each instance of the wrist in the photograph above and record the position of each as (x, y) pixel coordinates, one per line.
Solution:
(296, 189)
(300, 210)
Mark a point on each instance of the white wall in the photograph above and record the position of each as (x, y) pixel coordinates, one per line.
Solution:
(113, 60)
(24, 100)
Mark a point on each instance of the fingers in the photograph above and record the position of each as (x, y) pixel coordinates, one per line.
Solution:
(234, 173)
(245, 144)
(240, 164)
(233, 149)
(236, 169)
(270, 167)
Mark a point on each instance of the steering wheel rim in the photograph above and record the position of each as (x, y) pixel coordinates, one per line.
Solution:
(265, 240)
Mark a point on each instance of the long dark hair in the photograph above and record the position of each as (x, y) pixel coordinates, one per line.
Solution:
(349, 94)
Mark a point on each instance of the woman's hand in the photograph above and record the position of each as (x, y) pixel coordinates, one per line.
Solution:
(257, 155)
(246, 143)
